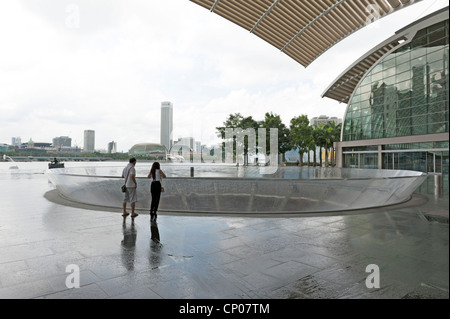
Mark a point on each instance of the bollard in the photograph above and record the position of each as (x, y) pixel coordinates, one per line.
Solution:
(192, 172)
(438, 184)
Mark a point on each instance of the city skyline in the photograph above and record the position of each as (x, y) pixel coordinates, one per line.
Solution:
(108, 65)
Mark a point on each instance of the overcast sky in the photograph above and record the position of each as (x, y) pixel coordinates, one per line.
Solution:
(106, 65)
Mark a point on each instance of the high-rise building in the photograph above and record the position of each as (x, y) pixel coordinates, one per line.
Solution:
(16, 141)
(112, 147)
(323, 119)
(89, 141)
(62, 141)
(166, 124)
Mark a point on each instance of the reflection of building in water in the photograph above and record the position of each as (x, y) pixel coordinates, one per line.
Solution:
(397, 113)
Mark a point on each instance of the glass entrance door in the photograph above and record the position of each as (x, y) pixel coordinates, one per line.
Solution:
(437, 162)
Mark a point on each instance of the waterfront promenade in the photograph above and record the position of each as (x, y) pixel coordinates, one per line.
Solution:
(227, 257)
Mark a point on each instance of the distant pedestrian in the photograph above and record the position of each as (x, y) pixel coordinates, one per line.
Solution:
(156, 187)
(129, 173)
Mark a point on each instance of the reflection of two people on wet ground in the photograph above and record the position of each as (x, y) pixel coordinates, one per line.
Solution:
(129, 245)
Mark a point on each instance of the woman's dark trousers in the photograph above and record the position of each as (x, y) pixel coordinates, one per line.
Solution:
(155, 190)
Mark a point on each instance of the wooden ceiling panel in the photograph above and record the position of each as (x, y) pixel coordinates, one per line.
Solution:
(283, 23)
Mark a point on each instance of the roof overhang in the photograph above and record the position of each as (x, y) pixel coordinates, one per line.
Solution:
(303, 29)
(342, 88)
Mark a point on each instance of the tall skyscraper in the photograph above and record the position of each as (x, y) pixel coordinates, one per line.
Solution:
(16, 141)
(112, 147)
(89, 141)
(167, 124)
(323, 119)
(61, 141)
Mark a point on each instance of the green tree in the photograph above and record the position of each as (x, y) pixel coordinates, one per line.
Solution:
(238, 121)
(300, 135)
(274, 121)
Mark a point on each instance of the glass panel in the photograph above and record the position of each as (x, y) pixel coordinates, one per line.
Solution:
(365, 104)
(403, 58)
(366, 80)
(437, 55)
(404, 67)
(377, 77)
(419, 40)
(388, 63)
(418, 52)
(390, 80)
(436, 35)
(418, 62)
(404, 76)
(369, 160)
(365, 88)
(377, 68)
(365, 96)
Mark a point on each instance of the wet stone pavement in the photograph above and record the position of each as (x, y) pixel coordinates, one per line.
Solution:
(215, 256)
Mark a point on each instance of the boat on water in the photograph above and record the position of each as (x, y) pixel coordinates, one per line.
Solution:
(55, 164)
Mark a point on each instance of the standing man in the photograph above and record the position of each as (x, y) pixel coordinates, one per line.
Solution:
(129, 173)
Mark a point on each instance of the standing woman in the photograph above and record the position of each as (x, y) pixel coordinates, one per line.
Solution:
(156, 174)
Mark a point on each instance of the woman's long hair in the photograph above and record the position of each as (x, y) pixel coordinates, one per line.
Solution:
(155, 166)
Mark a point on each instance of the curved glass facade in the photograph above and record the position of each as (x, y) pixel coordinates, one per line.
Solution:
(405, 93)
(397, 117)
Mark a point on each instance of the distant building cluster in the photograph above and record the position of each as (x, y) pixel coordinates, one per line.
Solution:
(323, 119)
(168, 149)
(60, 144)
